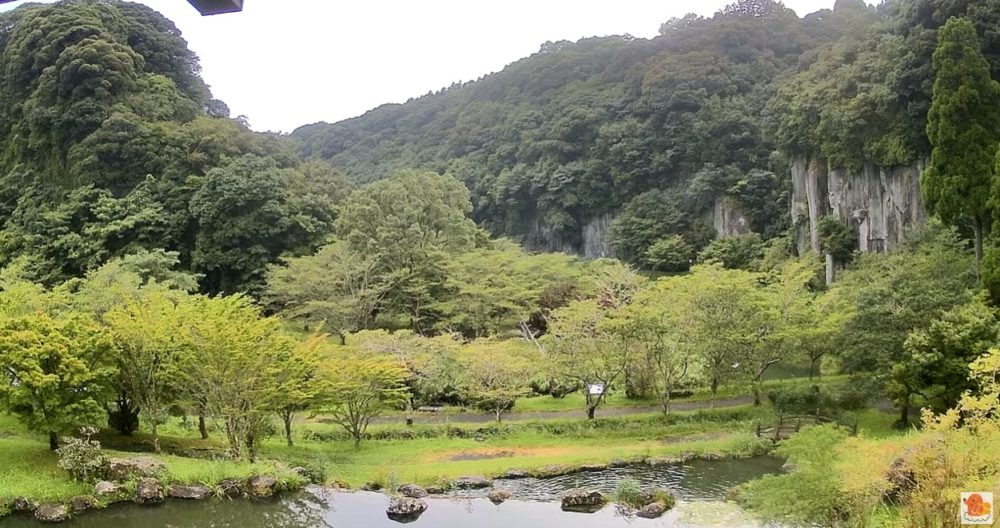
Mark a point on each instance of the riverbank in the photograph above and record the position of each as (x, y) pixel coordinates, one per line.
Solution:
(425, 455)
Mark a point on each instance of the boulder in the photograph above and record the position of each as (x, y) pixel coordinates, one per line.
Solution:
(194, 492)
(498, 496)
(105, 488)
(582, 500)
(436, 490)
(412, 491)
(405, 509)
(262, 486)
(82, 503)
(148, 491)
(618, 463)
(652, 510)
(122, 469)
(52, 512)
(594, 467)
(24, 505)
(554, 470)
(231, 488)
(472, 482)
(513, 474)
(663, 461)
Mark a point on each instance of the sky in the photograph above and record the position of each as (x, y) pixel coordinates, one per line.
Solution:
(286, 63)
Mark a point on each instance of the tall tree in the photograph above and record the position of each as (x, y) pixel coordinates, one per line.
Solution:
(962, 127)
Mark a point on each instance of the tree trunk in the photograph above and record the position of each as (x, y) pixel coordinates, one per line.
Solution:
(590, 412)
(498, 413)
(156, 437)
(904, 414)
(251, 447)
(287, 417)
(202, 428)
(715, 390)
(53, 441)
(977, 229)
(409, 412)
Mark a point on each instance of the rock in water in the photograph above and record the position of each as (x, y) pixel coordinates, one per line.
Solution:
(83, 503)
(581, 500)
(405, 509)
(413, 491)
(232, 488)
(148, 491)
(652, 510)
(24, 505)
(472, 482)
(176, 491)
(262, 486)
(498, 496)
(51, 512)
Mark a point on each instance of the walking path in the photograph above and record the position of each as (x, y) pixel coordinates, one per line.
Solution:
(602, 412)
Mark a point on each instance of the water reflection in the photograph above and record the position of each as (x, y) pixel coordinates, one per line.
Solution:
(699, 485)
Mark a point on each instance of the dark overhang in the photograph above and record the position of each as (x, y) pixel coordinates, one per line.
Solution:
(217, 7)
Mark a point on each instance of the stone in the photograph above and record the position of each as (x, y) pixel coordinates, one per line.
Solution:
(652, 510)
(712, 456)
(472, 482)
(405, 509)
(514, 474)
(105, 488)
(192, 492)
(82, 503)
(436, 490)
(232, 488)
(412, 491)
(582, 500)
(618, 463)
(24, 505)
(122, 469)
(498, 496)
(148, 491)
(554, 470)
(52, 512)
(262, 486)
(594, 467)
(663, 461)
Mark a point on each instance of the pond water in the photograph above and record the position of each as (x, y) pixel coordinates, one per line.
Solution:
(700, 486)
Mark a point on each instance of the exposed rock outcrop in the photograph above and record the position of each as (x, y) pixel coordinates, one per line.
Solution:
(883, 204)
(194, 492)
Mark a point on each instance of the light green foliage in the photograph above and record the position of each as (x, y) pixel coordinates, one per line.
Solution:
(961, 125)
(358, 388)
(892, 295)
(296, 386)
(811, 492)
(148, 336)
(55, 372)
(497, 372)
(337, 287)
(231, 363)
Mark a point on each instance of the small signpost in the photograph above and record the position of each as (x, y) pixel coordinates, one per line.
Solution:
(595, 389)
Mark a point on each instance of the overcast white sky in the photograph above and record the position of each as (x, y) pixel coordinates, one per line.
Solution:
(286, 63)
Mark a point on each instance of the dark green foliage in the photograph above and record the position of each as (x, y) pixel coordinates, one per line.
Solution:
(828, 400)
(837, 239)
(961, 126)
(670, 254)
(107, 148)
(739, 252)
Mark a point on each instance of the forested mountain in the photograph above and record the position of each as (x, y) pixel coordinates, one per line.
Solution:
(696, 128)
(111, 143)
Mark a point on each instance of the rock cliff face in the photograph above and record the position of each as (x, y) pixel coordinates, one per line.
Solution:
(882, 204)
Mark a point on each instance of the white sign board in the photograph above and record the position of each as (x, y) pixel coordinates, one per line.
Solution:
(596, 389)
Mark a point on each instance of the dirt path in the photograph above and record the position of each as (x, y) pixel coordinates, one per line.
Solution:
(604, 412)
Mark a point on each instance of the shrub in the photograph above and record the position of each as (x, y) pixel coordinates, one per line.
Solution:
(82, 457)
(629, 492)
(827, 399)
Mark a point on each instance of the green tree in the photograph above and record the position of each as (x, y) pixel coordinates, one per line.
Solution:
(738, 252)
(56, 372)
(961, 126)
(496, 373)
(358, 389)
(149, 343)
(232, 366)
(670, 254)
(297, 386)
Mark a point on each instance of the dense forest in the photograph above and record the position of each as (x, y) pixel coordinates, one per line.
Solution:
(653, 134)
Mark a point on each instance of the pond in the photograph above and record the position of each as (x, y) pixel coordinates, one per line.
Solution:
(700, 486)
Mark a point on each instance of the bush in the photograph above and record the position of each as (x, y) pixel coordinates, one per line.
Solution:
(82, 457)
(827, 399)
(124, 418)
(629, 492)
